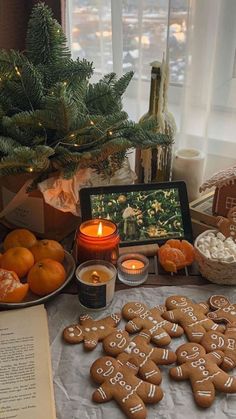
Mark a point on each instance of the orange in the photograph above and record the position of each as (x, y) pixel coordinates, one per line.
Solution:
(17, 259)
(19, 238)
(188, 251)
(176, 254)
(46, 276)
(48, 249)
(169, 254)
(11, 289)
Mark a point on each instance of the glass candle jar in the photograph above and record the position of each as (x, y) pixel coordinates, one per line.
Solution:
(97, 239)
(96, 283)
(132, 268)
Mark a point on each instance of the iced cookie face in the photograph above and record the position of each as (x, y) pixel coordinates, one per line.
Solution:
(213, 340)
(189, 352)
(116, 342)
(177, 301)
(103, 368)
(218, 301)
(225, 311)
(132, 310)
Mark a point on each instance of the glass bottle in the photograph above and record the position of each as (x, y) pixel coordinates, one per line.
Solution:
(154, 164)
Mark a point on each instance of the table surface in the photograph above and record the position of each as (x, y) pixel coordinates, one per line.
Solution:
(157, 276)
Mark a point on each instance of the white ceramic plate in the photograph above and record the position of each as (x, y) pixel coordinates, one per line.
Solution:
(33, 299)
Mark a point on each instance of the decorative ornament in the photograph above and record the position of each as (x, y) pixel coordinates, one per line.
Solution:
(121, 199)
(157, 206)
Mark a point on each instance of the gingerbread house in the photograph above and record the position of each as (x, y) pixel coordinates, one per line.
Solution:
(224, 182)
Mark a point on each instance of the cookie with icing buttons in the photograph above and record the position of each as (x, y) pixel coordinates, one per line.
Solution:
(119, 382)
(141, 317)
(224, 312)
(191, 316)
(224, 342)
(91, 331)
(138, 349)
(203, 372)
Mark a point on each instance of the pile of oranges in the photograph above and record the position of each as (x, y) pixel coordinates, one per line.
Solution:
(37, 261)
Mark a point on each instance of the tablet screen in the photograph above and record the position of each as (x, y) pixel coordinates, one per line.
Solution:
(142, 213)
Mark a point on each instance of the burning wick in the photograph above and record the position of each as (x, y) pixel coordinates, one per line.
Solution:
(95, 277)
(99, 232)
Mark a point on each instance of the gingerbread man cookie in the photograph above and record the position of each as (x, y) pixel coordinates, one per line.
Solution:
(140, 317)
(225, 311)
(225, 343)
(190, 316)
(91, 331)
(203, 372)
(227, 226)
(118, 344)
(119, 382)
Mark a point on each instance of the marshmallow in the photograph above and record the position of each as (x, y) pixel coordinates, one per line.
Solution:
(220, 236)
(210, 234)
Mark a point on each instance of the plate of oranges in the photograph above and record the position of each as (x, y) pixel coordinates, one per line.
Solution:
(32, 271)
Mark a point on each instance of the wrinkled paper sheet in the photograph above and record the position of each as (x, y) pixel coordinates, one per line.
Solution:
(73, 386)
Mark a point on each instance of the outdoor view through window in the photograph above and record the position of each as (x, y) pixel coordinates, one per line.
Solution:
(145, 29)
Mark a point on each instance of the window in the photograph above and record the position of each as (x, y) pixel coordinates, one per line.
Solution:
(199, 38)
(144, 32)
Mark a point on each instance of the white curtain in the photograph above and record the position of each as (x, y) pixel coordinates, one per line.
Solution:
(208, 97)
(198, 36)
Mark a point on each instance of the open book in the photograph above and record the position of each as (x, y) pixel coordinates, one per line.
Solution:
(26, 388)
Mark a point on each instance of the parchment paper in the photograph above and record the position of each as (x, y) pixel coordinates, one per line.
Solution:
(73, 386)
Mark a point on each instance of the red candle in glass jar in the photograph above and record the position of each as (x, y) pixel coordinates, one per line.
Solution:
(97, 239)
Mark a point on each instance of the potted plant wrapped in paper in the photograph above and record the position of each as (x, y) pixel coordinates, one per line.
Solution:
(58, 128)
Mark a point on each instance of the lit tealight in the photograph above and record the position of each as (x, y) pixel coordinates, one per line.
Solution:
(132, 269)
(133, 264)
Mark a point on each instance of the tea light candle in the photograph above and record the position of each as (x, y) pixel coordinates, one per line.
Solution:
(96, 283)
(132, 269)
(97, 239)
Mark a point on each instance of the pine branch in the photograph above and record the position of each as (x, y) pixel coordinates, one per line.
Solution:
(45, 42)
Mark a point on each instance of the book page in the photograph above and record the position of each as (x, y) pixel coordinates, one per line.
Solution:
(26, 388)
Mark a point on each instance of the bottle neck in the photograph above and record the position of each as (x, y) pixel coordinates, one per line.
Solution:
(155, 90)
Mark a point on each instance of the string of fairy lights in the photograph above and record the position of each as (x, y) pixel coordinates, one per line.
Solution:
(108, 132)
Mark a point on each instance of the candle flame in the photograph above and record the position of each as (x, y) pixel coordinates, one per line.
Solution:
(133, 267)
(99, 232)
(95, 277)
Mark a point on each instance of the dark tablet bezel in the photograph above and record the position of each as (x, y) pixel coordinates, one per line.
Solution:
(86, 210)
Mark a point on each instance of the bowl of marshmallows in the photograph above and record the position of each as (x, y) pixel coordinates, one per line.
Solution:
(216, 257)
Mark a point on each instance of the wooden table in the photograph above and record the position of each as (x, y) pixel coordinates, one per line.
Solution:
(157, 276)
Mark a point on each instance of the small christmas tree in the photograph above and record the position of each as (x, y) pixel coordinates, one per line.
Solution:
(52, 119)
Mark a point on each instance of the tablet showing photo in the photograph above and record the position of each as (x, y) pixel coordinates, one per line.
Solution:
(144, 213)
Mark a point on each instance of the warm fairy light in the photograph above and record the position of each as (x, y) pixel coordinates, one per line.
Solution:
(99, 232)
(30, 169)
(65, 83)
(91, 123)
(110, 132)
(40, 124)
(17, 71)
(72, 135)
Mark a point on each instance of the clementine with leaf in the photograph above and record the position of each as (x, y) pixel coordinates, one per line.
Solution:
(46, 276)
(17, 259)
(46, 248)
(20, 237)
(11, 289)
